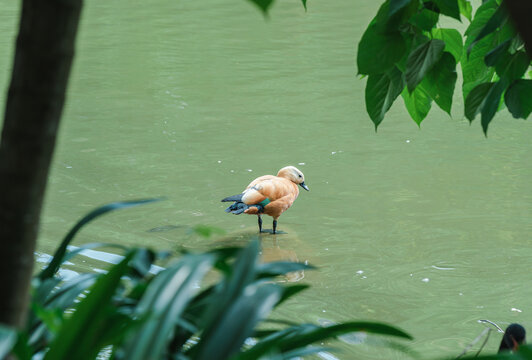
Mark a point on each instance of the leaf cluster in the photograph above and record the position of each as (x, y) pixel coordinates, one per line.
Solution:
(404, 52)
(132, 312)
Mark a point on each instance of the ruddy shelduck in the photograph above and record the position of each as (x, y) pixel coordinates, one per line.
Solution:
(268, 194)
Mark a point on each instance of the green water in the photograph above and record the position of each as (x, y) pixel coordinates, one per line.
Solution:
(425, 229)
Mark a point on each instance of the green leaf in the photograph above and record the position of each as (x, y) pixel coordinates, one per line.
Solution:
(378, 51)
(40, 290)
(452, 39)
(300, 336)
(242, 273)
(474, 70)
(52, 268)
(440, 82)
(482, 16)
(449, 8)
(390, 22)
(417, 103)
(524, 352)
(276, 268)
(475, 99)
(507, 31)
(465, 8)
(21, 349)
(142, 263)
(264, 5)
(497, 54)
(513, 66)
(162, 305)
(272, 342)
(396, 5)
(51, 317)
(207, 231)
(518, 98)
(425, 19)
(60, 299)
(79, 335)
(491, 104)
(194, 319)
(75, 250)
(237, 323)
(421, 60)
(8, 339)
(381, 92)
(116, 327)
(304, 4)
(495, 21)
(289, 291)
(302, 352)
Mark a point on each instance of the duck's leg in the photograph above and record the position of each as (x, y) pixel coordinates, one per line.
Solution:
(274, 225)
(260, 224)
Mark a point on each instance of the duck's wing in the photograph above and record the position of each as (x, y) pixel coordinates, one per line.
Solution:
(258, 182)
(257, 193)
(258, 190)
(269, 189)
(238, 197)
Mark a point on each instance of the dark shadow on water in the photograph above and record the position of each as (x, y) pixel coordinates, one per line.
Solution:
(164, 228)
(270, 231)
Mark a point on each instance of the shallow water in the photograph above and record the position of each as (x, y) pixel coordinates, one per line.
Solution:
(425, 229)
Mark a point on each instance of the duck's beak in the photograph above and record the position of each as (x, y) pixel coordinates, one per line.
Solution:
(304, 186)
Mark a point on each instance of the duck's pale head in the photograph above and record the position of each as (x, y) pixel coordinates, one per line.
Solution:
(293, 174)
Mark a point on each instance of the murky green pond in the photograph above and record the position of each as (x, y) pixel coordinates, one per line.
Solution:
(425, 229)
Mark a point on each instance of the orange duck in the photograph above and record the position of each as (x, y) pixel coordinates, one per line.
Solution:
(268, 194)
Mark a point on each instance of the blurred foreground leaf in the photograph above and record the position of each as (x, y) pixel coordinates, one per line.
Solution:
(51, 269)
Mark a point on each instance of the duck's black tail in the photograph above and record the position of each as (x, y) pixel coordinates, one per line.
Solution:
(239, 207)
(233, 198)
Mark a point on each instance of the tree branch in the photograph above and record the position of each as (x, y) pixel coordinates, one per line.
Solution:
(43, 58)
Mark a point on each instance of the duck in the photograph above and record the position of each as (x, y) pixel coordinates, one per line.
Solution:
(513, 337)
(268, 194)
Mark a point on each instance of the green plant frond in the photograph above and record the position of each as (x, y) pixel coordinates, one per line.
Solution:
(79, 334)
(162, 304)
(58, 258)
(225, 337)
(8, 339)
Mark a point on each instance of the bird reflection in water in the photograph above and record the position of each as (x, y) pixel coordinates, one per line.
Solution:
(273, 248)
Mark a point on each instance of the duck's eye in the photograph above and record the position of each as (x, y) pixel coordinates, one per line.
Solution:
(300, 176)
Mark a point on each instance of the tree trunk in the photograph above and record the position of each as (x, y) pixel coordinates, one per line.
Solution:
(520, 13)
(43, 58)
